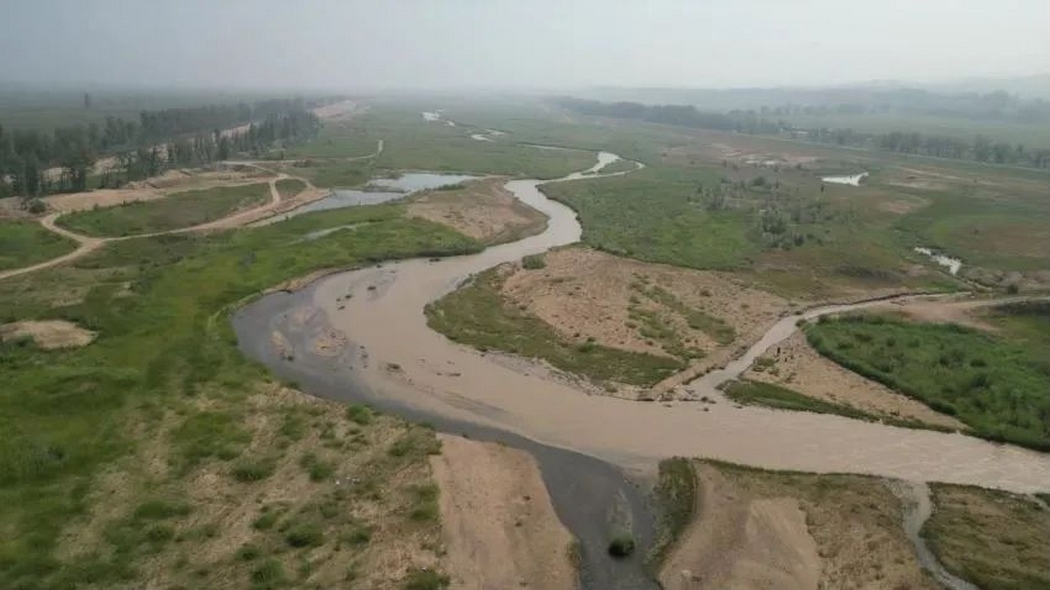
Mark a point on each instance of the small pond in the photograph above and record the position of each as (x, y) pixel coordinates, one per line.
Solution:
(381, 190)
(853, 180)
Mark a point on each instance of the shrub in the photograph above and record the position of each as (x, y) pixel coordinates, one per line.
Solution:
(248, 471)
(359, 414)
(269, 574)
(248, 552)
(533, 262)
(424, 579)
(621, 545)
(304, 534)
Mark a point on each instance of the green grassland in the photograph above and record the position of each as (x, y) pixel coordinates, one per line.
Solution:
(333, 173)
(778, 227)
(164, 372)
(477, 315)
(24, 243)
(289, 187)
(992, 384)
(175, 211)
(994, 539)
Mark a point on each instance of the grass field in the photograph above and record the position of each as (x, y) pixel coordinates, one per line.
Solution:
(175, 211)
(476, 315)
(334, 173)
(651, 216)
(997, 540)
(24, 243)
(780, 227)
(162, 398)
(994, 385)
(289, 187)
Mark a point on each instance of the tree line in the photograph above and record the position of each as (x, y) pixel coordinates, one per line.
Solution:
(980, 148)
(37, 163)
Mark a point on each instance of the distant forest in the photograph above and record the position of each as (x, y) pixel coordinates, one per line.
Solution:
(158, 140)
(980, 148)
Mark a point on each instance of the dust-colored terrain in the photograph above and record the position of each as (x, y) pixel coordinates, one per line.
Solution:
(585, 294)
(756, 529)
(499, 527)
(483, 210)
(48, 334)
(800, 368)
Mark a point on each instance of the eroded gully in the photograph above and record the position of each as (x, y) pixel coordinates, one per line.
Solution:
(581, 441)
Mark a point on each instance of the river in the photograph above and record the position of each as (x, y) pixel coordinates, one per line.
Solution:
(459, 389)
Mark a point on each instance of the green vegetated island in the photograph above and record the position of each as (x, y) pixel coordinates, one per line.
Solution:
(158, 453)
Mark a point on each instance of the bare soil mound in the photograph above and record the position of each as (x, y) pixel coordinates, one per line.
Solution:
(483, 210)
(48, 334)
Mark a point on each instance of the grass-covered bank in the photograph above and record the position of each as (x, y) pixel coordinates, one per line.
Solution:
(175, 211)
(995, 539)
(162, 395)
(771, 395)
(477, 315)
(995, 386)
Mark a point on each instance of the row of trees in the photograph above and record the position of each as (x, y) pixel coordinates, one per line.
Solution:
(36, 163)
(980, 149)
(680, 115)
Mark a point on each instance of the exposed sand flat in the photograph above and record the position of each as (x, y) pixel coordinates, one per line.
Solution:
(483, 210)
(499, 526)
(48, 334)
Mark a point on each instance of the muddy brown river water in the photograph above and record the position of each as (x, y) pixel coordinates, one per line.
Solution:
(392, 359)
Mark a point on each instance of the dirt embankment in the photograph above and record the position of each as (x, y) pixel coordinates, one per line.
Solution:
(483, 210)
(499, 526)
(172, 181)
(620, 302)
(757, 529)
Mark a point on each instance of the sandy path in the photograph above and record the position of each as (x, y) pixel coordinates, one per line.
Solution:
(499, 525)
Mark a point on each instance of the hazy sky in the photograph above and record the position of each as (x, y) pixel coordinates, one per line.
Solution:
(356, 44)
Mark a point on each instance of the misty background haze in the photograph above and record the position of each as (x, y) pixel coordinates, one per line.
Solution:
(416, 44)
